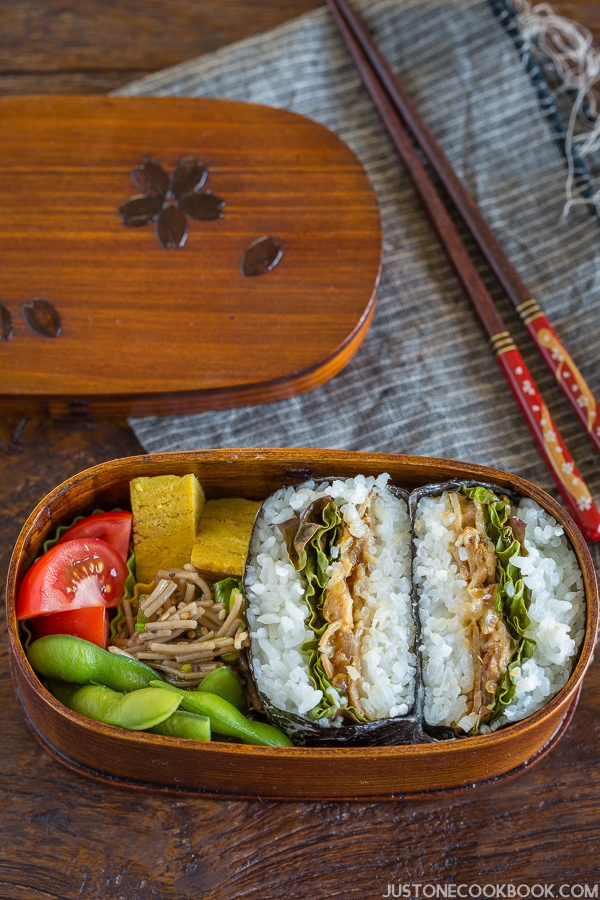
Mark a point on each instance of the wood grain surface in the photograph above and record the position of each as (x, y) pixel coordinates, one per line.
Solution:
(65, 837)
(153, 329)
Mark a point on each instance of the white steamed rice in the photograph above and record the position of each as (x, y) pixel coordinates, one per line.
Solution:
(276, 610)
(557, 614)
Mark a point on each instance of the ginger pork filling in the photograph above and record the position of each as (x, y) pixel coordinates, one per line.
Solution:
(329, 604)
(372, 612)
(491, 644)
(340, 643)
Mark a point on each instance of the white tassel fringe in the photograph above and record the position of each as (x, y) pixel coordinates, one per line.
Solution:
(570, 47)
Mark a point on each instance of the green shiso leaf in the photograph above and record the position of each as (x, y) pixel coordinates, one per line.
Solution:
(513, 596)
(223, 591)
(140, 622)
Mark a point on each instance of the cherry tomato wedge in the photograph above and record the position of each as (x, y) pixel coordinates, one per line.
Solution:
(73, 575)
(112, 527)
(90, 623)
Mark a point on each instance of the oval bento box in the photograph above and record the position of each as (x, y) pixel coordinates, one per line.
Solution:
(310, 773)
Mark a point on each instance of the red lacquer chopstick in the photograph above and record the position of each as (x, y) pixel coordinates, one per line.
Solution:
(556, 357)
(520, 381)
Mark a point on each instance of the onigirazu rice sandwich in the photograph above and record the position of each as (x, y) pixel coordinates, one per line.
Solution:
(330, 611)
(379, 617)
(501, 606)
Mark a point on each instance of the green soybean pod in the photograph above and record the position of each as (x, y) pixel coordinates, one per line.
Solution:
(225, 683)
(137, 710)
(185, 724)
(74, 660)
(227, 720)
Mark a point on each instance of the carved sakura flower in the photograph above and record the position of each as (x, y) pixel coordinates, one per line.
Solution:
(169, 201)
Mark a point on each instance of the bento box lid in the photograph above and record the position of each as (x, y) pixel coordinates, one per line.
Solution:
(165, 255)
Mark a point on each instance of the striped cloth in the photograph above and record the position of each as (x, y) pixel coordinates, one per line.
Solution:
(424, 381)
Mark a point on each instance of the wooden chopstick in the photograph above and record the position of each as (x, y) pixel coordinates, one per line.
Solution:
(553, 450)
(554, 354)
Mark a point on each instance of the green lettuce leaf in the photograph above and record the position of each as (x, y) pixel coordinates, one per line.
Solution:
(310, 539)
(513, 596)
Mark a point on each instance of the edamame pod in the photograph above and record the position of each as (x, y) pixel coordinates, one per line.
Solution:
(137, 710)
(74, 660)
(225, 683)
(226, 719)
(185, 724)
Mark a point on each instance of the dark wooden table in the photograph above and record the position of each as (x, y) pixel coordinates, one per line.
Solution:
(62, 836)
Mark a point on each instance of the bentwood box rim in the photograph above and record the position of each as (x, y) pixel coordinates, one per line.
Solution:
(360, 772)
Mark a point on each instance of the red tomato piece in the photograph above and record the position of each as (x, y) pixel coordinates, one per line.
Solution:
(73, 575)
(90, 623)
(112, 527)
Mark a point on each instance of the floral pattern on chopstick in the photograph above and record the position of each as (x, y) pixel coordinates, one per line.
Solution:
(169, 201)
(557, 454)
(566, 369)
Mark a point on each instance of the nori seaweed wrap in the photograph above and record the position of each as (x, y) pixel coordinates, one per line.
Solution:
(379, 617)
(330, 613)
(500, 605)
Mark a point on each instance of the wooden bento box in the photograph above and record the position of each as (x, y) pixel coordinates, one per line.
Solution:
(131, 758)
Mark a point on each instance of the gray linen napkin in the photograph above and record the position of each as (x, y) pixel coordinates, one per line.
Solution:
(424, 381)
